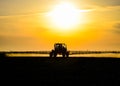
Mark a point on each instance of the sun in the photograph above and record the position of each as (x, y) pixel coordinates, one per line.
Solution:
(64, 16)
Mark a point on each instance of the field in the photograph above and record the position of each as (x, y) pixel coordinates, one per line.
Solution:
(59, 71)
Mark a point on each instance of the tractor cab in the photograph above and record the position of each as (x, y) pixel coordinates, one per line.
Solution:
(59, 48)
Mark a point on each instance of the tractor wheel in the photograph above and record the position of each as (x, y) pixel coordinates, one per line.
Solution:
(63, 54)
(67, 54)
(51, 54)
(55, 54)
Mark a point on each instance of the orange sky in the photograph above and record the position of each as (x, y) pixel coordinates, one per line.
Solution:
(25, 25)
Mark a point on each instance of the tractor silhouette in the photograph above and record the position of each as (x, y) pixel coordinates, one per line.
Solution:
(59, 49)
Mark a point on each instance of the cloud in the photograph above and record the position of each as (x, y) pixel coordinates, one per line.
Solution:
(107, 8)
(21, 14)
(112, 2)
(18, 42)
(106, 2)
(117, 28)
(100, 5)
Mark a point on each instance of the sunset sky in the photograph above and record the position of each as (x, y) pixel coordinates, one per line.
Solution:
(38, 24)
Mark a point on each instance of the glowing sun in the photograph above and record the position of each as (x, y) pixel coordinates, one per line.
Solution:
(64, 16)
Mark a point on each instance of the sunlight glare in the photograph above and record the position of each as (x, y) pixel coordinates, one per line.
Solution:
(64, 16)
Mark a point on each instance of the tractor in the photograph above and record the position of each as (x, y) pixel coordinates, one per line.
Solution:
(59, 49)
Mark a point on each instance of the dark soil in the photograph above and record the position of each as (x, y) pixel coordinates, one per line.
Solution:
(61, 71)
